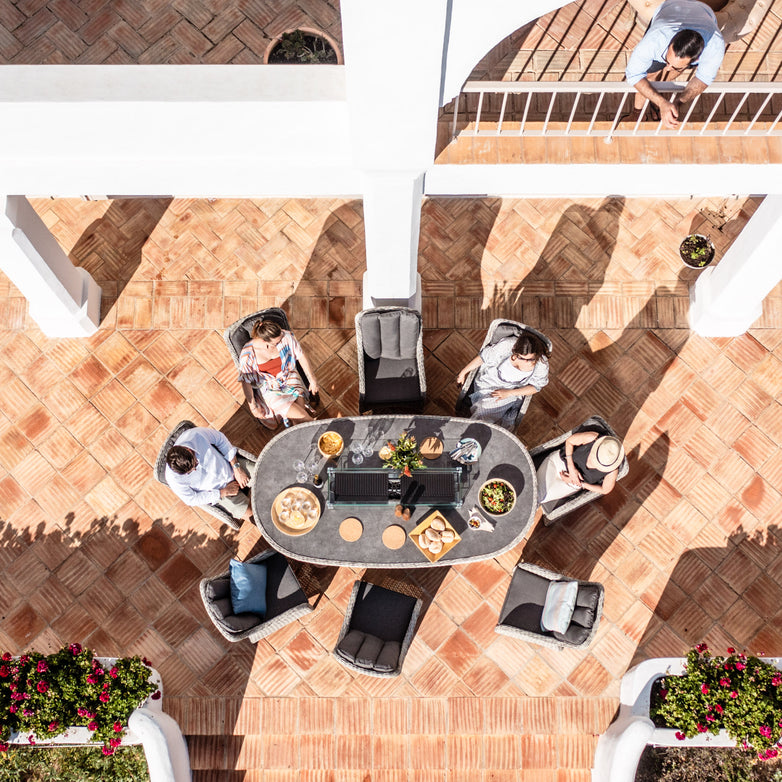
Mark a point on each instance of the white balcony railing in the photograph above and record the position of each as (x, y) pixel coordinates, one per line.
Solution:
(517, 108)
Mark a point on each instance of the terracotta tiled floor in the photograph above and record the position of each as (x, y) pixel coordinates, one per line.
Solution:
(151, 32)
(94, 550)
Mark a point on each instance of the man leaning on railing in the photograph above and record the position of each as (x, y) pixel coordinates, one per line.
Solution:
(682, 34)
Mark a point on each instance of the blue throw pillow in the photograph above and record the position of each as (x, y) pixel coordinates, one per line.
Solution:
(248, 587)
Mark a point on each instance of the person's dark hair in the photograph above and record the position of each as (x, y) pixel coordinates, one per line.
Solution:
(687, 43)
(180, 459)
(527, 343)
(266, 330)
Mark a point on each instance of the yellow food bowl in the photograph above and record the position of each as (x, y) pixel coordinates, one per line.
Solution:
(330, 444)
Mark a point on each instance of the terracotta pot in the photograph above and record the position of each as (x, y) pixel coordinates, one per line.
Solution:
(308, 31)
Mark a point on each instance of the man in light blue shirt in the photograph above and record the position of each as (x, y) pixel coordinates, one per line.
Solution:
(682, 34)
(203, 468)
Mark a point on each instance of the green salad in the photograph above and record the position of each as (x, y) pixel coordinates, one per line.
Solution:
(497, 497)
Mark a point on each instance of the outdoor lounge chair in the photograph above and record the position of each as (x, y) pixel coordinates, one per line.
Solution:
(523, 608)
(160, 473)
(499, 330)
(557, 508)
(377, 631)
(390, 360)
(285, 601)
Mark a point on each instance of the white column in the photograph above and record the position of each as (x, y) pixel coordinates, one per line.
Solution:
(394, 61)
(64, 299)
(392, 221)
(728, 298)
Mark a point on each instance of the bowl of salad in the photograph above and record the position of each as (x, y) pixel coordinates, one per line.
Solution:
(497, 497)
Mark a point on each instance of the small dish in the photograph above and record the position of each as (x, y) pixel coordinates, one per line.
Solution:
(474, 455)
(330, 444)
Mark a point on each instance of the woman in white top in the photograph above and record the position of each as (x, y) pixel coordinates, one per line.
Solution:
(512, 368)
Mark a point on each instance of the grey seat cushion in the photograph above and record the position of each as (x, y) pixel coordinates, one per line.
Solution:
(381, 612)
(218, 592)
(392, 334)
(391, 380)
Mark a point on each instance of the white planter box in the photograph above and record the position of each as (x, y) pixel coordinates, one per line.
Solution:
(620, 748)
(164, 745)
(81, 736)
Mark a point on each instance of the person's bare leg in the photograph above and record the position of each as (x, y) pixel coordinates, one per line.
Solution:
(297, 413)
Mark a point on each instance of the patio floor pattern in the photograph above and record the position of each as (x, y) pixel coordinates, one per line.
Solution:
(94, 550)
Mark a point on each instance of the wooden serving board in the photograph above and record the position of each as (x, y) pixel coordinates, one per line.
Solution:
(295, 492)
(423, 526)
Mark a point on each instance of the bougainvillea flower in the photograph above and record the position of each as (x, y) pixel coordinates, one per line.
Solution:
(31, 739)
(42, 686)
(724, 682)
(103, 697)
(92, 726)
(117, 727)
(107, 751)
(731, 650)
(156, 695)
(75, 649)
(680, 735)
(53, 726)
(705, 689)
(776, 680)
(764, 730)
(663, 694)
(42, 667)
(6, 656)
(718, 709)
(114, 672)
(740, 666)
(3, 746)
(114, 742)
(701, 648)
(734, 694)
(5, 671)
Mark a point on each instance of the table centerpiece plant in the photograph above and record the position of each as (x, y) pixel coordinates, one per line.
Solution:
(44, 695)
(403, 455)
(738, 693)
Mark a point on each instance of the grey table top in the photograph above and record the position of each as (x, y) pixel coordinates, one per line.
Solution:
(503, 456)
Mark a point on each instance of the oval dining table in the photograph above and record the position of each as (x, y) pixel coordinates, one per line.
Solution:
(502, 456)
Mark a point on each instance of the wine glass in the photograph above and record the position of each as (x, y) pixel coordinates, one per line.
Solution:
(356, 450)
(367, 450)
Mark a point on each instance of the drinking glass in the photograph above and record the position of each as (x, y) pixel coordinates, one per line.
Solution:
(299, 465)
(357, 456)
(367, 450)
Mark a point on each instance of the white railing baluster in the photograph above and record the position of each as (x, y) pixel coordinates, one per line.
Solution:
(687, 116)
(759, 112)
(526, 112)
(478, 113)
(548, 113)
(572, 113)
(738, 109)
(712, 113)
(502, 113)
(594, 113)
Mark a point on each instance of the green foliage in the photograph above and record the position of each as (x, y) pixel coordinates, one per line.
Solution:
(47, 694)
(301, 47)
(72, 764)
(741, 694)
(405, 455)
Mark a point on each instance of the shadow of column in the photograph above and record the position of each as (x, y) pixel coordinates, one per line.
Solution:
(111, 248)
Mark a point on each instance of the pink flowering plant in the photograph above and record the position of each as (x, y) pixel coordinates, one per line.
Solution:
(739, 693)
(47, 694)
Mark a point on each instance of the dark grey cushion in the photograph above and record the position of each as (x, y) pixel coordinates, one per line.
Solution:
(584, 617)
(282, 588)
(388, 659)
(588, 597)
(235, 622)
(219, 588)
(389, 381)
(348, 647)
(575, 634)
(524, 602)
(381, 612)
(369, 651)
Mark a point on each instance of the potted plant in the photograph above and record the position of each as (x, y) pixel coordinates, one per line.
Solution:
(696, 251)
(44, 697)
(303, 45)
(403, 455)
(739, 694)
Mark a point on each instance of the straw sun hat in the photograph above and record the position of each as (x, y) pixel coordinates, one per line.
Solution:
(607, 452)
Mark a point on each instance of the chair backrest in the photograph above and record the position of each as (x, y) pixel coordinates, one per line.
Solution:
(160, 462)
(238, 334)
(389, 332)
